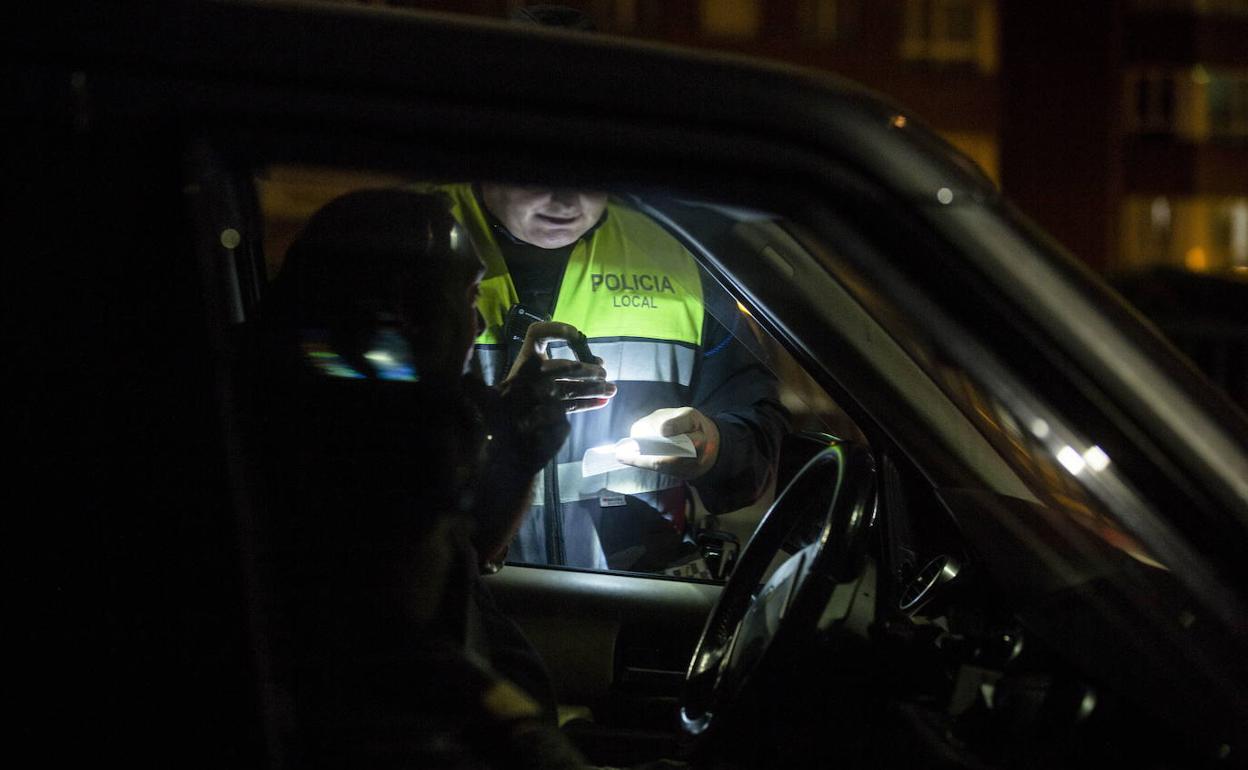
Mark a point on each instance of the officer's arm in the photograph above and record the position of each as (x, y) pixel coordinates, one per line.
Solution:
(742, 396)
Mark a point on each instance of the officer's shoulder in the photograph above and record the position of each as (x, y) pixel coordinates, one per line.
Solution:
(639, 226)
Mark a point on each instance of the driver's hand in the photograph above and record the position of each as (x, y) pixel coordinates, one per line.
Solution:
(537, 395)
(580, 386)
(702, 431)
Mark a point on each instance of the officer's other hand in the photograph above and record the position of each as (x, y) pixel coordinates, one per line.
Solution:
(579, 386)
(702, 431)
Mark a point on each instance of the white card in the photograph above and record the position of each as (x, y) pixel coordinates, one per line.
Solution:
(602, 459)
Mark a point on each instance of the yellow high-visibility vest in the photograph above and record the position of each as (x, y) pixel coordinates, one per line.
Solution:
(631, 288)
(636, 293)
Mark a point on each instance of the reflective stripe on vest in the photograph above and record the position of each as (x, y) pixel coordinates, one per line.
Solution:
(637, 360)
(628, 481)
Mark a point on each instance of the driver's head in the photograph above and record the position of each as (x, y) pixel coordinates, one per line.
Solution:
(369, 477)
(388, 281)
(548, 217)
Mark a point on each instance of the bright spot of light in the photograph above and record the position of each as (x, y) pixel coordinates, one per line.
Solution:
(1196, 259)
(1096, 458)
(1073, 461)
(1237, 213)
(1040, 428)
(744, 309)
(1087, 705)
(379, 357)
(944, 195)
(899, 121)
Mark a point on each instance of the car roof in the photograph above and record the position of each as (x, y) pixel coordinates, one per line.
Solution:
(402, 52)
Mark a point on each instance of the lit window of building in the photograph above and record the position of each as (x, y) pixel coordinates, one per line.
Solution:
(740, 19)
(951, 31)
(1231, 230)
(1198, 233)
(1194, 103)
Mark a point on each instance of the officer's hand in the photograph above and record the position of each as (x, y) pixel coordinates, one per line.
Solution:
(580, 386)
(702, 431)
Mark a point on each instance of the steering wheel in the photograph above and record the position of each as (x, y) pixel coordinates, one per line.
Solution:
(817, 526)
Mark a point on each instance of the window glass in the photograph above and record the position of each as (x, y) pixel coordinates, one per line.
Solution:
(673, 474)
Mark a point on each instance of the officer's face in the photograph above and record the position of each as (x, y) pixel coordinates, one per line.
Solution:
(545, 217)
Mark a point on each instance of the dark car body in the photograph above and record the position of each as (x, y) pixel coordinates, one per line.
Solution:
(130, 132)
(1202, 314)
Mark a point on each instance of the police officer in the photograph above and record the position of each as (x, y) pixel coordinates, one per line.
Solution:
(612, 273)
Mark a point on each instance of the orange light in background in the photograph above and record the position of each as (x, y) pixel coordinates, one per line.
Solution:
(739, 19)
(899, 121)
(1196, 259)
